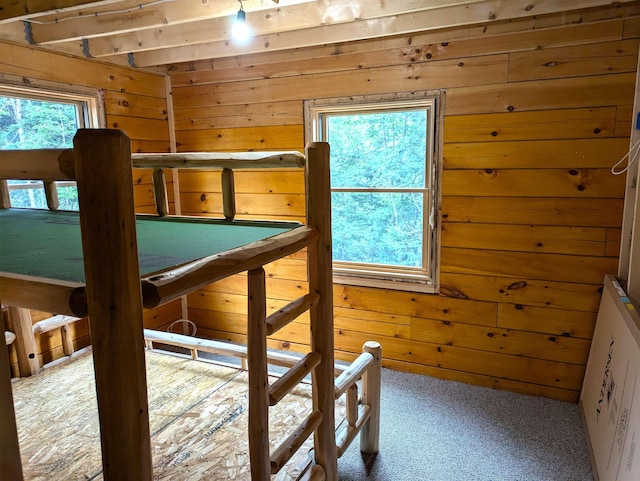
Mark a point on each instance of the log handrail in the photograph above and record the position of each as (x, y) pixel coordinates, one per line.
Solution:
(59, 164)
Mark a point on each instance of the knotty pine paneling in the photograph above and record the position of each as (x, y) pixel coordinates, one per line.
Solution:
(574, 183)
(563, 93)
(530, 292)
(559, 322)
(542, 125)
(546, 267)
(537, 111)
(589, 241)
(546, 154)
(567, 211)
(136, 102)
(507, 341)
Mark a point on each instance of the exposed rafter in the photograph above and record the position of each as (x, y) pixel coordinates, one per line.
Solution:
(147, 33)
(276, 21)
(443, 17)
(161, 15)
(25, 9)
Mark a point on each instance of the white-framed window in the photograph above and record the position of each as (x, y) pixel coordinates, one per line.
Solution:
(385, 169)
(40, 117)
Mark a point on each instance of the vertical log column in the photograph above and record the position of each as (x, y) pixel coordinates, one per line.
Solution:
(321, 315)
(370, 435)
(5, 201)
(10, 464)
(21, 324)
(51, 194)
(258, 381)
(107, 220)
(160, 192)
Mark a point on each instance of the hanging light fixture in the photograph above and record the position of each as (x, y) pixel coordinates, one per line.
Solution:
(240, 30)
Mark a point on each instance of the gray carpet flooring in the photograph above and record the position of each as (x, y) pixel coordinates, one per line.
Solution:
(435, 430)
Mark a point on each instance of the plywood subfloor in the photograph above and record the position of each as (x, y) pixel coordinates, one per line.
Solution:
(198, 419)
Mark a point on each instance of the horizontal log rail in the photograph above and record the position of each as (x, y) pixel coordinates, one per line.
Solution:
(47, 295)
(59, 164)
(37, 164)
(212, 346)
(219, 160)
(222, 348)
(61, 322)
(51, 323)
(353, 372)
(164, 287)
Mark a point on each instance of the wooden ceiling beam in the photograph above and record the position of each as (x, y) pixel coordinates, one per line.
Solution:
(485, 11)
(160, 16)
(26, 9)
(267, 22)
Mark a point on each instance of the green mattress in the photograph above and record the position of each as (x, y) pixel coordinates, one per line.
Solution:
(47, 244)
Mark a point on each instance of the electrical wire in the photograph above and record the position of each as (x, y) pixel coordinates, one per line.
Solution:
(189, 323)
(633, 156)
(140, 6)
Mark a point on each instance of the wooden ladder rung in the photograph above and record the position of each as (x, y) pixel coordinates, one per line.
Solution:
(346, 432)
(291, 378)
(316, 473)
(292, 443)
(352, 373)
(9, 337)
(288, 313)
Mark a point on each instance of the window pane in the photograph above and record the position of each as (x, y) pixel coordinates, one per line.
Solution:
(28, 197)
(381, 149)
(68, 197)
(36, 124)
(378, 228)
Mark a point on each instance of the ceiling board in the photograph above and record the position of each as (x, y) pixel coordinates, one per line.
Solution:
(161, 32)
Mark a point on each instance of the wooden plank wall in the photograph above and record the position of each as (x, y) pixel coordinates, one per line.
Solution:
(537, 111)
(136, 102)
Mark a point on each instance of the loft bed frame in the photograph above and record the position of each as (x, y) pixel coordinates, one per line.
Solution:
(114, 294)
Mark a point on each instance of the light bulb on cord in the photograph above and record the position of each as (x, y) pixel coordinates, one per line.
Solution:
(240, 31)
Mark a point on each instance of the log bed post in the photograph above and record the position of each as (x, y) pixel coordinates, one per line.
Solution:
(21, 323)
(5, 201)
(51, 194)
(317, 184)
(10, 463)
(160, 192)
(107, 220)
(370, 435)
(258, 380)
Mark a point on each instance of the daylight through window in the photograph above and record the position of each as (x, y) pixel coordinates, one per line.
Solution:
(37, 119)
(383, 187)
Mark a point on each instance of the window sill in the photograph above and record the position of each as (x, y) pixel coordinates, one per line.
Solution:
(396, 285)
